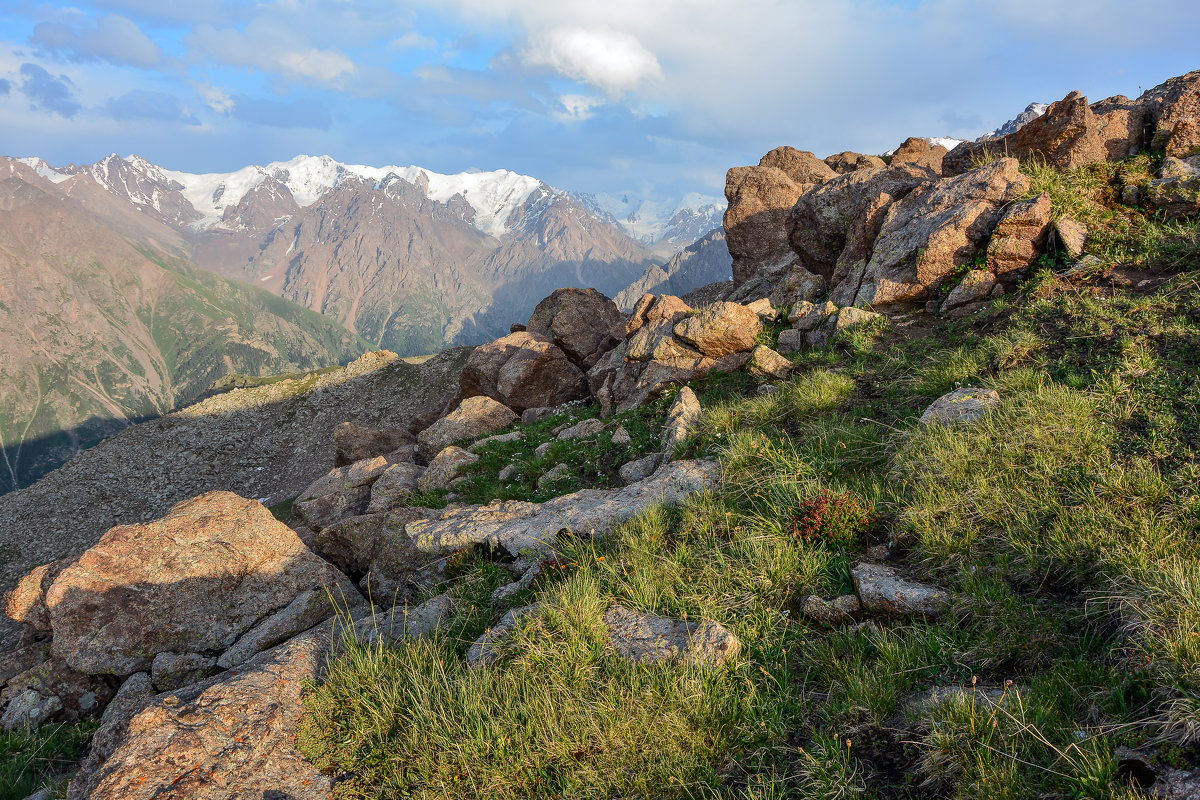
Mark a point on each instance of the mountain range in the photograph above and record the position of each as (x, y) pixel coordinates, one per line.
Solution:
(129, 288)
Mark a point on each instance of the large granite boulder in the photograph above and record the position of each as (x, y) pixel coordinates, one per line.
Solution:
(720, 328)
(760, 199)
(341, 492)
(934, 230)
(230, 736)
(848, 161)
(920, 152)
(583, 322)
(833, 227)
(475, 416)
(522, 370)
(192, 581)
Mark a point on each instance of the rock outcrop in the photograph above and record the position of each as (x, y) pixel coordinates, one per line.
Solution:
(522, 370)
(583, 322)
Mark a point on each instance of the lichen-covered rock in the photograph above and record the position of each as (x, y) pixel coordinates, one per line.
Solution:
(806, 316)
(406, 622)
(720, 329)
(920, 152)
(651, 639)
(343, 492)
(682, 418)
(934, 230)
(755, 220)
(475, 416)
(27, 602)
(353, 443)
(640, 469)
(831, 613)
(961, 406)
(308, 610)
(192, 581)
(1019, 236)
(583, 322)
(395, 485)
(790, 340)
(51, 690)
(230, 736)
(584, 428)
(1176, 194)
(765, 364)
(445, 467)
(881, 589)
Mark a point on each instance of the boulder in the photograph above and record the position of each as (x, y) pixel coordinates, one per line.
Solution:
(533, 528)
(934, 230)
(522, 370)
(394, 486)
(499, 438)
(755, 220)
(342, 492)
(974, 287)
(921, 153)
(651, 639)
(801, 166)
(406, 622)
(353, 443)
(766, 364)
(1185, 139)
(833, 227)
(682, 418)
(229, 736)
(796, 285)
(175, 670)
(556, 473)
(475, 416)
(806, 316)
(532, 415)
(583, 322)
(192, 581)
(766, 312)
(308, 610)
(720, 329)
(135, 694)
(1019, 235)
(445, 467)
(881, 589)
(1071, 235)
(27, 602)
(844, 162)
(791, 340)
(961, 406)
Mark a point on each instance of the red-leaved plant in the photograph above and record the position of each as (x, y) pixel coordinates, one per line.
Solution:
(839, 519)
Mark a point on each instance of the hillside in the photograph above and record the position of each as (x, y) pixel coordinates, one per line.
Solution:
(101, 324)
(912, 513)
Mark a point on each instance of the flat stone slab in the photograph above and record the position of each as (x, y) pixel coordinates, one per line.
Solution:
(881, 589)
(960, 407)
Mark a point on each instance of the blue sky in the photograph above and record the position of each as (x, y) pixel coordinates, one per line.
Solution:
(647, 97)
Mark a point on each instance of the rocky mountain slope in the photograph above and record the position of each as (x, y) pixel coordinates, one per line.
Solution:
(100, 324)
(771, 545)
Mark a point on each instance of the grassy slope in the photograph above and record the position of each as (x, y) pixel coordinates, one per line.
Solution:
(1065, 525)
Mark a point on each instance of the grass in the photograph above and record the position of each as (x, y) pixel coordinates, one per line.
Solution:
(1066, 525)
(45, 758)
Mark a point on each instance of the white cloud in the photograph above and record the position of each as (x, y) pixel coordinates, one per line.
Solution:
(577, 107)
(413, 41)
(112, 38)
(273, 48)
(217, 99)
(612, 61)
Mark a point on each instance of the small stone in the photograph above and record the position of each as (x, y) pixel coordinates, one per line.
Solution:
(881, 589)
(766, 312)
(588, 427)
(807, 316)
(1072, 235)
(961, 406)
(553, 475)
(621, 436)
(766, 390)
(504, 595)
(839, 611)
(507, 472)
(975, 286)
(1082, 265)
(542, 450)
(29, 709)
(1131, 195)
(532, 415)
(499, 438)
(488, 648)
(445, 467)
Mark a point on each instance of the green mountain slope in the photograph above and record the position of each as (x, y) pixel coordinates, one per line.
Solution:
(96, 331)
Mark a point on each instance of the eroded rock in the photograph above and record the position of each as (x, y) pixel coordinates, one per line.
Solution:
(720, 329)
(881, 589)
(583, 322)
(682, 418)
(475, 416)
(652, 639)
(445, 467)
(961, 406)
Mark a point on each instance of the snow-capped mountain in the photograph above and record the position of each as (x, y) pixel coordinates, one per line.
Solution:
(1031, 112)
(667, 225)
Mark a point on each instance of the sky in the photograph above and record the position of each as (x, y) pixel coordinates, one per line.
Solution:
(647, 98)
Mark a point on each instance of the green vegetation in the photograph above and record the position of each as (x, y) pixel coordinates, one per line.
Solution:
(45, 758)
(1066, 526)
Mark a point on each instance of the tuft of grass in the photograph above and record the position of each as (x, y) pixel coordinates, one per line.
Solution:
(42, 758)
